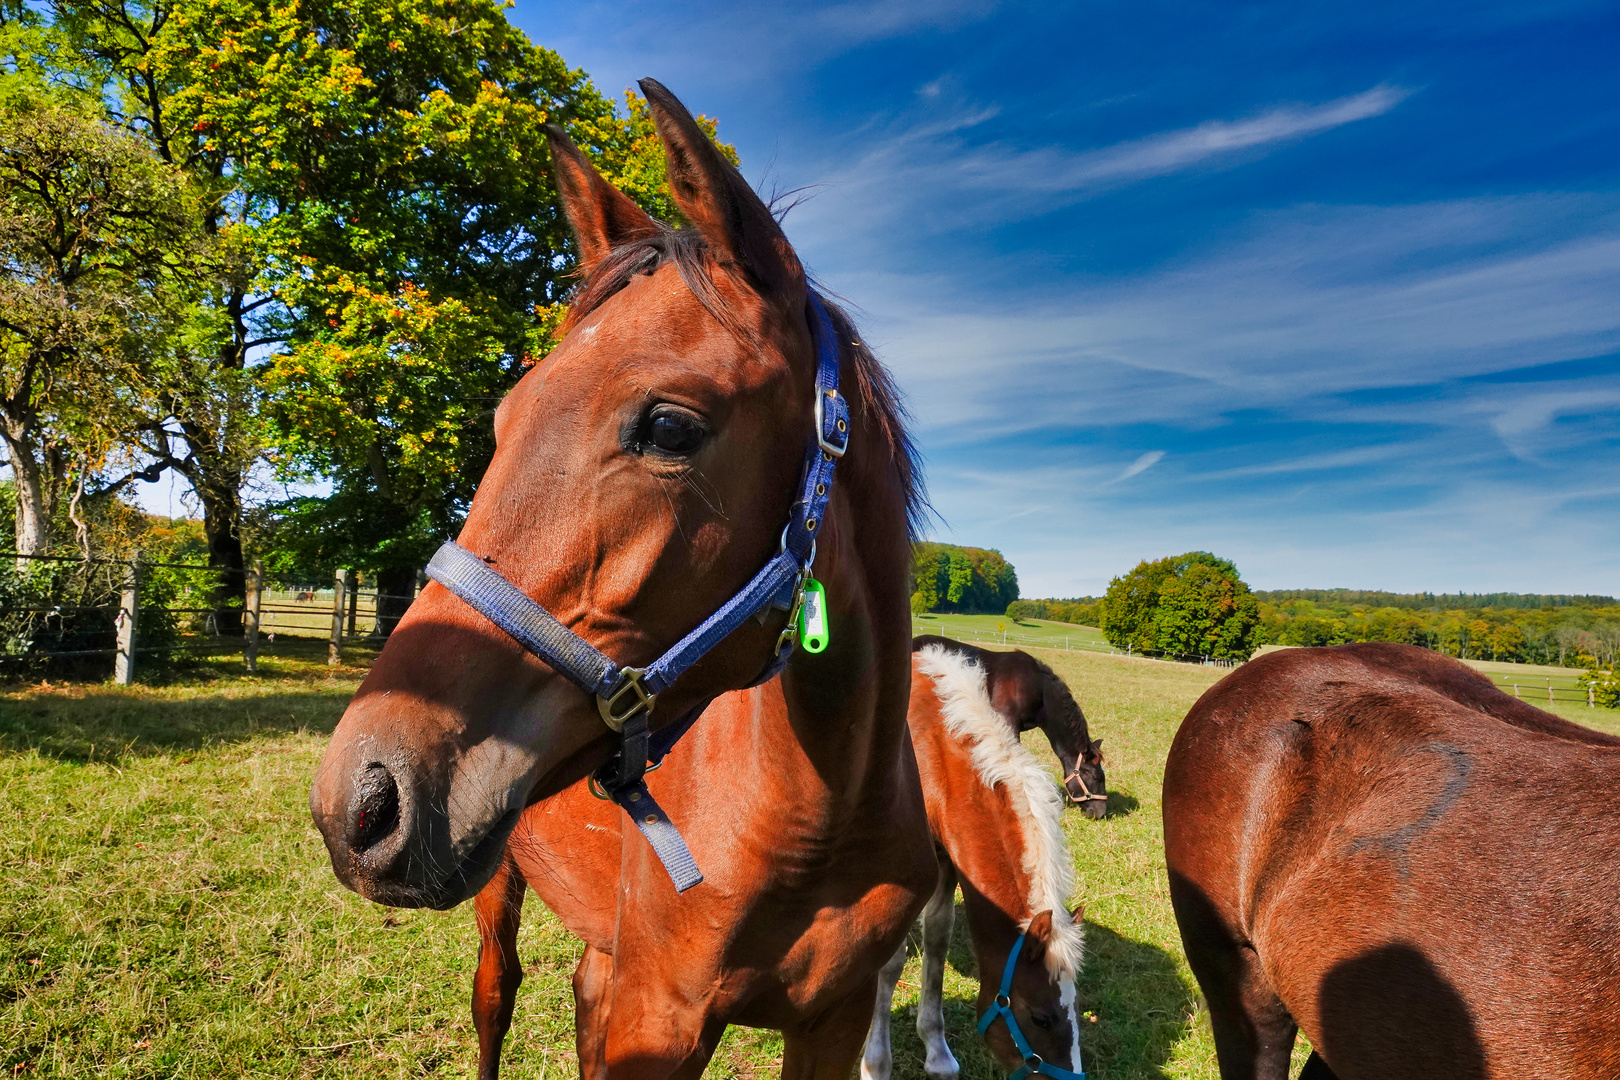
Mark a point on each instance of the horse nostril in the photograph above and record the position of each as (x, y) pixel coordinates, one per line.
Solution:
(376, 807)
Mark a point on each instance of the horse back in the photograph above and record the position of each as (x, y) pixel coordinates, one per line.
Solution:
(1411, 858)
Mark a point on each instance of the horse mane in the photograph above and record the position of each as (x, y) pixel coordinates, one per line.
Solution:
(1073, 717)
(874, 394)
(1000, 759)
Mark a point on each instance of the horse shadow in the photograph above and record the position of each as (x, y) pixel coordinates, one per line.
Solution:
(1121, 805)
(1133, 988)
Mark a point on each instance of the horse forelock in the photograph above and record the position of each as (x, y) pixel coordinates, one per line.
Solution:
(999, 758)
(874, 395)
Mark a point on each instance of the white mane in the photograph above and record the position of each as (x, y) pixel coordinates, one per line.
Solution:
(999, 758)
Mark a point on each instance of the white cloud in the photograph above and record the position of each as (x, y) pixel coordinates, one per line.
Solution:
(1142, 464)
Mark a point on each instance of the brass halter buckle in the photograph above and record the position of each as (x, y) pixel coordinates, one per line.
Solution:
(613, 713)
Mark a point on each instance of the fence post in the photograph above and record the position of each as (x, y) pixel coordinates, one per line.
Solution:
(250, 639)
(1549, 692)
(1591, 696)
(354, 603)
(129, 607)
(340, 589)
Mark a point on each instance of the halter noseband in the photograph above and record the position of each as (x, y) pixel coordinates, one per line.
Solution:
(1089, 796)
(625, 695)
(1002, 1007)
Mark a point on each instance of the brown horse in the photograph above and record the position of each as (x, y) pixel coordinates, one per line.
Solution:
(994, 815)
(643, 472)
(1030, 695)
(1350, 854)
(997, 820)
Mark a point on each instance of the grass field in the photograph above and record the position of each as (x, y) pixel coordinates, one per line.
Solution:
(166, 909)
(1039, 633)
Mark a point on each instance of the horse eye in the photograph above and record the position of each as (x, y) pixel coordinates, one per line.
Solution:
(671, 431)
(1044, 1020)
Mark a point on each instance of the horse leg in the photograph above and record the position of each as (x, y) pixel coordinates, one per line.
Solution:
(1254, 1032)
(828, 1048)
(877, 1060)
(499, 907)
(592, 979)
(938, 920)
(1316, 1069)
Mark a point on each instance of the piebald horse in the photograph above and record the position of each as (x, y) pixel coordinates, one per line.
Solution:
(644, 471)
(1029, 695)
(997, 820)
(1350, 855)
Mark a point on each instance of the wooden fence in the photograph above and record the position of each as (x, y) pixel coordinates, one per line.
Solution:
(97, 612)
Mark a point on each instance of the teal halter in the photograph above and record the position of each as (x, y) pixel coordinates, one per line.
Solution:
(1002, 1007)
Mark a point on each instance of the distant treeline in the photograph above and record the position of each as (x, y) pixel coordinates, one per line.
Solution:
(1531, 628)
(1084, 610)
(1372, 598)
(945, 577)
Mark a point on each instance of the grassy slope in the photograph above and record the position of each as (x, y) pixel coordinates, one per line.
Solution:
(166, 909)
(1029, 633)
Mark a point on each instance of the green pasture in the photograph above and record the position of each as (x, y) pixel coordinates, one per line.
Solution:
(1030, 633)
(166, 909)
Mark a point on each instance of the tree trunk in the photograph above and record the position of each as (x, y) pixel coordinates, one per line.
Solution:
(395, 588)
(222, 518)
(35, 500)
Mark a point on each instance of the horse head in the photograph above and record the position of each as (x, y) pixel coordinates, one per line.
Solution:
(1084, 784)
(643, 472)
(1041, 996)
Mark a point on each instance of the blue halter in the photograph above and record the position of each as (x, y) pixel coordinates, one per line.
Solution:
(625, 695)
(1002, 1007)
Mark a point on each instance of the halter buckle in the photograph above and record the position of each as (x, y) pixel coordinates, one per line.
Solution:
(832, 449)
(629, 682)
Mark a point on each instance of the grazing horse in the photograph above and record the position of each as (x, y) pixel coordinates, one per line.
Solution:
(997, 821)
(1351, 855)
(644, 471)
(1030, 695)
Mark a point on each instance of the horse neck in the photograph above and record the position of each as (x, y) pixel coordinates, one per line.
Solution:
(847, 705)
(993, 932)
(1068, 740)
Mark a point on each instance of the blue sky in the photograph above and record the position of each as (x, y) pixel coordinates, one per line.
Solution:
(1330, 290)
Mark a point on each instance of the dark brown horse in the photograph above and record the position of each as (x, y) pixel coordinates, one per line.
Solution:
(644, 472)
(1374, 845)
(1030, 695)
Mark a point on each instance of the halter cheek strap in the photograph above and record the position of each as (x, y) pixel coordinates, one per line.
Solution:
(1001, 1008)
(625, 695)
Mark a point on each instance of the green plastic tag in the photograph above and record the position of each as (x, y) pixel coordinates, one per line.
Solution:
(813, 617)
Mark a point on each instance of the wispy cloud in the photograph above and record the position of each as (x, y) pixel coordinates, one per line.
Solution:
(1053, 170)
(1141, 465)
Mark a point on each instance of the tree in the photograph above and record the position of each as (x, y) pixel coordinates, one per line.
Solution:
(95, 233)
(1211, 609)
(950, 578)
(399, 245)
(1207, 610)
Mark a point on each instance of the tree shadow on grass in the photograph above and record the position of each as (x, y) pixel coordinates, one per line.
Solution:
(175, 709)
(103, 726)
(1135, 990)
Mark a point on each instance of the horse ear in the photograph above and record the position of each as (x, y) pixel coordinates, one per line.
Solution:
(718, 201)
(1078, 915)
(602, 216)
(1096, 746)
(1036, 937)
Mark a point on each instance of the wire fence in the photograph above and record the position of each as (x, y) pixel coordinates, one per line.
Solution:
(83, 615)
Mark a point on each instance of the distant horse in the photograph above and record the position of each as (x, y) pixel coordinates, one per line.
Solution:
(1030, 695)
(996, 817)
(643, 474)
(1374, 844)
(994, 814)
